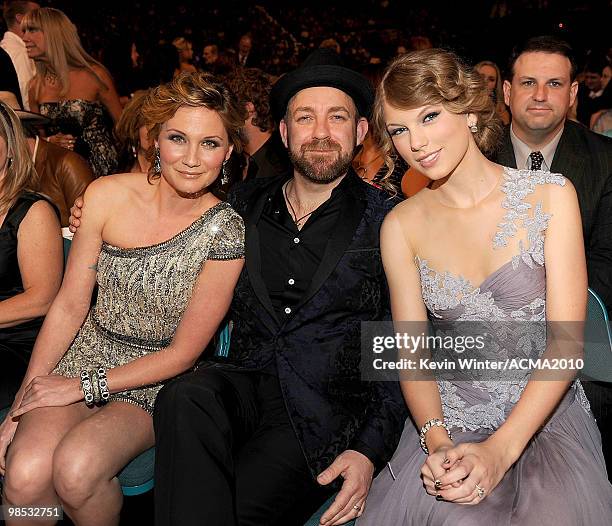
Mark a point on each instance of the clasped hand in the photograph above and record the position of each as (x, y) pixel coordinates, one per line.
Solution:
(453, 473)
(49, 391)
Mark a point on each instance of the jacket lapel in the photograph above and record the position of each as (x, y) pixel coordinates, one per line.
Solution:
(567, 160)
(253, 252)
(505, 154)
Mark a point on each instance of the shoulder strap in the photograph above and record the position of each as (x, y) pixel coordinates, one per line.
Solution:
(21, 207)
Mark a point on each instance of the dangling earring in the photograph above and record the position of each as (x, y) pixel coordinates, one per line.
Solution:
(157, 162)
(224, 174)
(474, 128)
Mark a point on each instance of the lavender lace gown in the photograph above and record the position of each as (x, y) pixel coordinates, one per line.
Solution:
(560, 479)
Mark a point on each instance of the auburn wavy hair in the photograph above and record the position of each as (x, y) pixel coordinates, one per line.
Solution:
(195, 90)
(435, 76)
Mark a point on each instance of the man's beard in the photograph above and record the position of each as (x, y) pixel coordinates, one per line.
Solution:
(320, 169)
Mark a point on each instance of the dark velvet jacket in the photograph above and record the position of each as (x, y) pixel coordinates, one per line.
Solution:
(585, 158)
(317, 351)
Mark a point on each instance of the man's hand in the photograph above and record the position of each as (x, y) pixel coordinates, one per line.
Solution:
(75, 214)
(357, 470)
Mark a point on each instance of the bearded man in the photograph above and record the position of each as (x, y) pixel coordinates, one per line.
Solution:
(266, 435)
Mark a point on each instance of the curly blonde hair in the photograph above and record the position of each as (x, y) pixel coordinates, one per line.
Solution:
(435, 76)
(196, 90)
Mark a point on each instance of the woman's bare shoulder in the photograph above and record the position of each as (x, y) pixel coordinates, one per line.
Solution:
(117, 189)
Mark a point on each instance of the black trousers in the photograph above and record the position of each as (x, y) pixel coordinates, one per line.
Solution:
(226, 453)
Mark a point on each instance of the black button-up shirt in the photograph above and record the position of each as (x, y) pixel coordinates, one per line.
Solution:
(290, 257)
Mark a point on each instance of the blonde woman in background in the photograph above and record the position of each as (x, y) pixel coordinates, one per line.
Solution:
(492, 78)
(72, 89)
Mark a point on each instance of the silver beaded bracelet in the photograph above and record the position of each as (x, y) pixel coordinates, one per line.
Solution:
(103, 385)
(434, 422)
(87, 388)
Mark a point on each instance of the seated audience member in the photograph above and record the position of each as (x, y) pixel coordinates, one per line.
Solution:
(266, 156)
(246, 56)
(9, 85)
(606, 104)
(132, 136)
(71, 88)
(84, 408)
(502, 247)
(31, 257)
(63, 174)
(493, 82)
(369, 161)
(546, 140)
(267, 434)
(184, 49)
(592, 96)
(12, 43)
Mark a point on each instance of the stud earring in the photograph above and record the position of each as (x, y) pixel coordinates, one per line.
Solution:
(473, 128)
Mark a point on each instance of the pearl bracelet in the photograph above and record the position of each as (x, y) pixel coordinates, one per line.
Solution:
(434, 422)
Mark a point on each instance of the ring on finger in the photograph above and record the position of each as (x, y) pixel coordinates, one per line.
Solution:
(357, 507)
(437, 484)
(480, 490)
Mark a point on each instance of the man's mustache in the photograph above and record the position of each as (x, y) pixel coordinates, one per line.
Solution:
(319, 145)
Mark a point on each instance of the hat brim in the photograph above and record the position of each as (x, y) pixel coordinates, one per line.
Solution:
(352, 83)
(31, 117)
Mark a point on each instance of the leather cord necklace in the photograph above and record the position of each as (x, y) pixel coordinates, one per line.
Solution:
(297, 221)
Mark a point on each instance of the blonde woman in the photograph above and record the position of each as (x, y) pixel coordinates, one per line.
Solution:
(492, 78)
(30, 255)
(71, 88)
(498, 253)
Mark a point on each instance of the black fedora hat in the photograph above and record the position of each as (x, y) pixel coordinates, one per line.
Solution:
(322, 67)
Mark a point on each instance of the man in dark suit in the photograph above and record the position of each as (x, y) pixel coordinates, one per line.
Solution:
(266, 435)
(541, 88)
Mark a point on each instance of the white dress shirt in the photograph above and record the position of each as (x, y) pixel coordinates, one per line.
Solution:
(24, 66)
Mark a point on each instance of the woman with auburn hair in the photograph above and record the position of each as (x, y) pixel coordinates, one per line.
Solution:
(132, 135)
(495, 254)
(493, 82)
(31, 261)
(71, 88)
(84, 408)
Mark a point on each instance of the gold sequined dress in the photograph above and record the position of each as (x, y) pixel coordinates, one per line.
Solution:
(142, 294)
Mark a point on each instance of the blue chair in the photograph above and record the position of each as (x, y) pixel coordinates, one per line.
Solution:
(598, 341)
(137, 477)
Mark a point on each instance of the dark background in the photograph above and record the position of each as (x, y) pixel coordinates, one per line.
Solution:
(368, 29)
